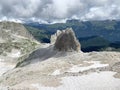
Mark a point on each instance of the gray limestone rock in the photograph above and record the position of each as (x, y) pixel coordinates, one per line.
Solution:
(54, 36)
(67, 41)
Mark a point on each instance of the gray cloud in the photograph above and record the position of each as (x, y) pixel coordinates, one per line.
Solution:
(58, 10)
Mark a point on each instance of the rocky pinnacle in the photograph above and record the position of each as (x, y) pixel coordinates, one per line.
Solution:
(67, 41)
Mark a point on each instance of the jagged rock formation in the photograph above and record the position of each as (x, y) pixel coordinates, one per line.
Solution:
(61, 41)
(54, 37)
(67, 41)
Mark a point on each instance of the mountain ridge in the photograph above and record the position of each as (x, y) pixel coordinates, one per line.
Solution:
(15, 41)
(106, 30)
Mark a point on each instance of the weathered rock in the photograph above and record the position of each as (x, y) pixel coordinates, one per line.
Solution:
(54, 37)
(116, 67)
(15, 41)
(67, 41)
(8, 31)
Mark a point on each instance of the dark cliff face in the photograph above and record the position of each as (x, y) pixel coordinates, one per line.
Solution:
(67, 41)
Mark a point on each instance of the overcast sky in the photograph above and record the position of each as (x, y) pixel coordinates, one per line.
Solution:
(58, 10)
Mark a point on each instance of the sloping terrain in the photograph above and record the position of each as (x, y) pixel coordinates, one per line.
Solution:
(15, 44)
(50, 69)
(15, 41)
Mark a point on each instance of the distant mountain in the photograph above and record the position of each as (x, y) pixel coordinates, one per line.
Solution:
(106, 30)
(40, 35)
(94, 43)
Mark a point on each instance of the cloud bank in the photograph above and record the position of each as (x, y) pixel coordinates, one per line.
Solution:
(59, 10)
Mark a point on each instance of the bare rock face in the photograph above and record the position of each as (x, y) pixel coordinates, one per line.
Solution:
(15, 41)
(10, 29)
(54, 37)
(67, 41)
(116, 67)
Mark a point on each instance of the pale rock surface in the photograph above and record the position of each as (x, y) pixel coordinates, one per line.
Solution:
(8, 28)
(93, 81)
(15, 40)
(54, 37)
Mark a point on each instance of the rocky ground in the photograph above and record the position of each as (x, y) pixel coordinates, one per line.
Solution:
(51, 73)
(62, 68)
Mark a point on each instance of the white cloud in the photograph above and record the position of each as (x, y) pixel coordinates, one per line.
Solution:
(58, 10)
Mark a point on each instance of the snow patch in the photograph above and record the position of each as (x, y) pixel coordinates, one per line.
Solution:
(14, 53)
(93, 81)
(40, 87)
(45, 45)
(56, 72)
(96, 64)
(4, 67)
(18, 36)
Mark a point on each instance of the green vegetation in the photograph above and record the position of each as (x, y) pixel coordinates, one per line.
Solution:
(94, 41)
(104, 32)
(38, 34)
